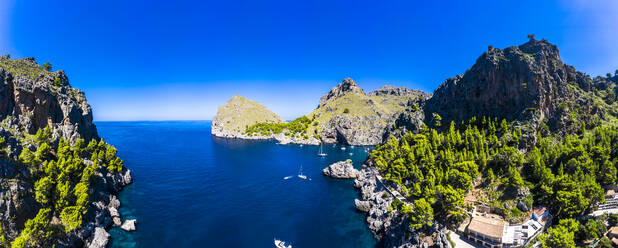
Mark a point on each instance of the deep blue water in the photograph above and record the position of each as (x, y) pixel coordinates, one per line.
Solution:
(194, 190)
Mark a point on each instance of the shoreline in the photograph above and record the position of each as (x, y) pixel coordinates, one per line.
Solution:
(390, 228)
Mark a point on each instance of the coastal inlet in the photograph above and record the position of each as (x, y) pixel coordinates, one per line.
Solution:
(194, 190)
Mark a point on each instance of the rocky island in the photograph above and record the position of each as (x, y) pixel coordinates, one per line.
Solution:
(59, 178)
(341, 169)
(344, 115)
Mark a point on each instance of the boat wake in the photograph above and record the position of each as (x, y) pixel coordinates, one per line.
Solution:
(288, 177)
(281, 244)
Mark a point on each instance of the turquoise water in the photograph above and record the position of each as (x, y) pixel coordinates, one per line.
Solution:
(194, 190)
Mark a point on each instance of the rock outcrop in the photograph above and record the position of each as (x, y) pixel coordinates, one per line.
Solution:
(37, 98)
(394, 91)
(363, 206)
(33, 99)
(347, 116)
(100, 238)
(348, 86)
(341, 169)
(129, 225)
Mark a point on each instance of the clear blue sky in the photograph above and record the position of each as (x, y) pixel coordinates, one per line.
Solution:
(162, 60)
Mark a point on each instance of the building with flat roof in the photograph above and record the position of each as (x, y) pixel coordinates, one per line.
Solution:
(486, 231)
(493, 232)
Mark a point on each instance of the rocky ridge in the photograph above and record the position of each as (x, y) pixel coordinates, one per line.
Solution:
(33, 98)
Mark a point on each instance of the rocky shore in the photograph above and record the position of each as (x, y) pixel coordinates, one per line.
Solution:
(281, 138)
(391, 227)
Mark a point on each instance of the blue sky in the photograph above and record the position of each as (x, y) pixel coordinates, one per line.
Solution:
(167, 60)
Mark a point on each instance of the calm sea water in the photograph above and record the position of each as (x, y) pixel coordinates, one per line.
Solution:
(194, 190)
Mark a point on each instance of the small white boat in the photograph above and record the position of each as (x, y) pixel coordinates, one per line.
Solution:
(343, 148)
(286, 178)
(321, 153)
(351, 146)
(300, 173)
(351, 153)
(281, 244)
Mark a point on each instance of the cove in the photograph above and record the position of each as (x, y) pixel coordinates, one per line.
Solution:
(194, 190)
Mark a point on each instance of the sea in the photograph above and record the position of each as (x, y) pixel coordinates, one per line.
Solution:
(191, 189)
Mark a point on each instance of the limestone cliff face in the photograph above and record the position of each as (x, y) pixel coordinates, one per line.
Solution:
(37, 98)
(347, 115)
(239, 113)
(527, 83)
(33, 98)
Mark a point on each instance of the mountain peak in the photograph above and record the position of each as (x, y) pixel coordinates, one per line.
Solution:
(348, 86)
(525, 82)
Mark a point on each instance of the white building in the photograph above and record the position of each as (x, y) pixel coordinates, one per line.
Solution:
(496, 233)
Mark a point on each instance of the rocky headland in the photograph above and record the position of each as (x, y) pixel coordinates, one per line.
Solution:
(54, 193)
(344, 115)
(239, 113)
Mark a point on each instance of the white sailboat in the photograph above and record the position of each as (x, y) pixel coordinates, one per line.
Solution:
(281, 244)
(321, 154)
(300, 173)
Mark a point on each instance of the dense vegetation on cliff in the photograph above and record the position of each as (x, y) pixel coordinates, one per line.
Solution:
(523, 129)
(565, 173)
(57, 175)
(296, 128)
(63, 176)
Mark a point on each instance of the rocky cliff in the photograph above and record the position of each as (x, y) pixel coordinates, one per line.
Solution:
(54, 191)
(37, 98)
(527, 83)
(348, 116)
